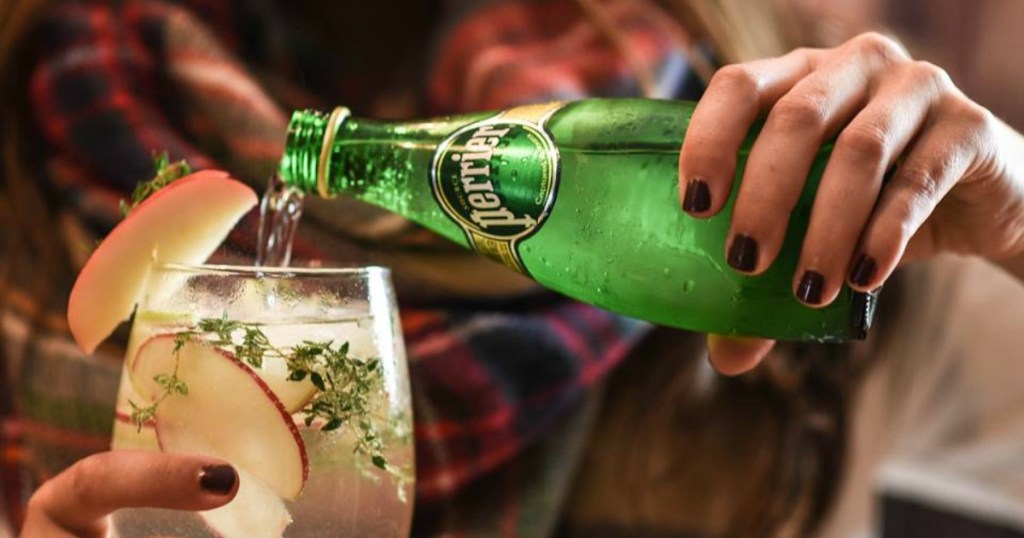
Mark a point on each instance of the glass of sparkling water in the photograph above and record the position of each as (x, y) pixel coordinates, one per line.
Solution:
(296, 376)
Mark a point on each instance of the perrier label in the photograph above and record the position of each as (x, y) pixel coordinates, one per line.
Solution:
(583, 198)
(497, 179)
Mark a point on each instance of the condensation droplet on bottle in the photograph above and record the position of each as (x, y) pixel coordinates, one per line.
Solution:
(688, 286)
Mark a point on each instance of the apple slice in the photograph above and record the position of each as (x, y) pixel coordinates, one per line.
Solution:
(229, 412)
(183, 222)
(255, 512)
(294, 395)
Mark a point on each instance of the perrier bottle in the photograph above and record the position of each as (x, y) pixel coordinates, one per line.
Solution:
(580, 196)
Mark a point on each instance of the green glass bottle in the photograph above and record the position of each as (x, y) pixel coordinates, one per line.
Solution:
(583, 198)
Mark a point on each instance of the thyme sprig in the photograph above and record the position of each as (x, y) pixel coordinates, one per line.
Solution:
(344, 388)
(170, 383)
(345, 385)
(166, 173)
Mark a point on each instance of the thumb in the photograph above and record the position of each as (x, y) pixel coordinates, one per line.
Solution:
(78, 501)
(735, 355)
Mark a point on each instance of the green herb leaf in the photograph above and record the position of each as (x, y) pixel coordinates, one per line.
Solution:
(141, 414)
(166, 173)
(169, 382)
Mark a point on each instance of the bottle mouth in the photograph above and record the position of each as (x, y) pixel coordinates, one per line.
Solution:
(301, 159)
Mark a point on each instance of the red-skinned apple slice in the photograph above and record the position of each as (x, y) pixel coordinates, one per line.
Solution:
(183, 222)
(255, 512)
(228, 412)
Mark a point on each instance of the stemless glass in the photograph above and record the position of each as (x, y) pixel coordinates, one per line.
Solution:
(315, 417)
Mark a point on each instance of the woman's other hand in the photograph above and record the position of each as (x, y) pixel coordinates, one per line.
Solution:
(77, 502)
(957, 185)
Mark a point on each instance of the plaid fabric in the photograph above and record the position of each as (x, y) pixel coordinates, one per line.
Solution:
(500, 371)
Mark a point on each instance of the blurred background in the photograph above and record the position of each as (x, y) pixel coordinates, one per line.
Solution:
(980, 42)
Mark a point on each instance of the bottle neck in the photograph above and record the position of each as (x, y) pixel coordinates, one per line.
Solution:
(374, 161)
(307, 153)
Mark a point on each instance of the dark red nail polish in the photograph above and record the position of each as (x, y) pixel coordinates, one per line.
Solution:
(864, 270)
(697, 197)
(743, 253)
(811, 285)
(218, 479)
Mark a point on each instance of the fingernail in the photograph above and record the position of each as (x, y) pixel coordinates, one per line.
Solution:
(697, 197)
(219, 479)
(864, 270)
(810, 287)
(743, 253)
